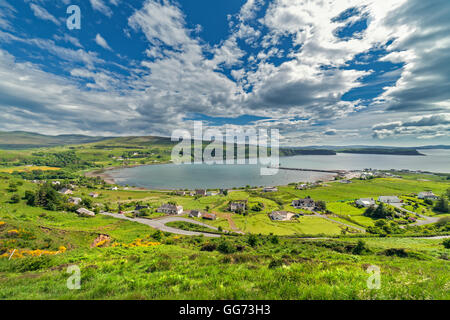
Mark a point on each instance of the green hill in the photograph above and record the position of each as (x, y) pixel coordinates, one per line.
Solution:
(26, 140)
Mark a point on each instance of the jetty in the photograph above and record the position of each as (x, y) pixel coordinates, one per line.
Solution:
(341, 172)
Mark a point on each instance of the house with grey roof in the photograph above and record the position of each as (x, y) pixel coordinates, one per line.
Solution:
(169, 208)
(281, 215)
(307, 203)
(427, 195)
(365, 202)
(389, 199)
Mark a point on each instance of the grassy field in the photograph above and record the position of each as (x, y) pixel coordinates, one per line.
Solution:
(125, 260)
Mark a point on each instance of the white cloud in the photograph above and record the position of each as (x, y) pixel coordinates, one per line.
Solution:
(43, 14)
(100, 6)
(102, 42)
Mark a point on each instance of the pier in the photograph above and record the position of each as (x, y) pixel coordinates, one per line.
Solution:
(313, 170)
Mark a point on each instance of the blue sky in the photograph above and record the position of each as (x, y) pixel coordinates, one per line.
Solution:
(350, 72)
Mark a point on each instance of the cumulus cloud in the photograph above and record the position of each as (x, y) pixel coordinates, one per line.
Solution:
(422, 30)
(424, 127)
(283, 60)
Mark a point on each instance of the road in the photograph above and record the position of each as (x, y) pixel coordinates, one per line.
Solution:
(339, 222)
(160, 224)
(427, 220)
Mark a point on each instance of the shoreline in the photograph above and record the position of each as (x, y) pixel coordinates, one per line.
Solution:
(105, 176)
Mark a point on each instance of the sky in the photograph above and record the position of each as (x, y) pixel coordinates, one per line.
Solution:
(335, 72)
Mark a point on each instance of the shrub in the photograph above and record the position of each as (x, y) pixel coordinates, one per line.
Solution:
(395, 252)
(360, 248)
(226, 247)
(252, 240)
(446, 244)
(15, 199)
(276, 263)
(209, 247)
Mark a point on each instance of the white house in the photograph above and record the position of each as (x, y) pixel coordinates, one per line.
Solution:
(427, 195)
(389, 199)
(365, 202)
(281, 215)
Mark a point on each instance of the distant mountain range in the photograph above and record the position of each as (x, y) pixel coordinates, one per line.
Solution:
(28, 140)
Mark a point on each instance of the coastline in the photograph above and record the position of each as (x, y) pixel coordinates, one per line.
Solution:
(105, 176)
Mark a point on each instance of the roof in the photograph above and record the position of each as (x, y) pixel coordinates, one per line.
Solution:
(304, 201)
(427, 193)
(389, 199)
(367, 200)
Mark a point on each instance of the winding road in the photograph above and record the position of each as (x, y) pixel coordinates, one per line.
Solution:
(427, 220)
(160, 224)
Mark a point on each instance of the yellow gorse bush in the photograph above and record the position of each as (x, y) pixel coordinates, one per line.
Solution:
(13, 232)
(31, 253)
(137, 243)
(101, 243)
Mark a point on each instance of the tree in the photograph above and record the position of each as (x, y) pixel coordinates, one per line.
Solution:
(380, 212)
(46, 197)
(87, 202)
(442, 205)
(321, 205)
(252, 240)
(360, 248)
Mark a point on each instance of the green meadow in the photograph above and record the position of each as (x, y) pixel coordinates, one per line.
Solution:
(309, 257)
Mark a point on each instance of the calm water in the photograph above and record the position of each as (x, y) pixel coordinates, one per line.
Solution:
(172, 176)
